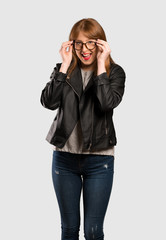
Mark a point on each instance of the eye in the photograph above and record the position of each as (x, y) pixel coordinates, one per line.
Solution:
(78, 43)
(90, 42)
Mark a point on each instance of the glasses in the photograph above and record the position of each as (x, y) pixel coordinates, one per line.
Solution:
(79, 45)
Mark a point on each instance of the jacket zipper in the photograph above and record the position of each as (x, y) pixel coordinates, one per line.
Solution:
(73, 89)
(106, 128)
(92, 128)
(90, 144)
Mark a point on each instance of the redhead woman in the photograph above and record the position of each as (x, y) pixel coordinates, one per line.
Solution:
(84, 89)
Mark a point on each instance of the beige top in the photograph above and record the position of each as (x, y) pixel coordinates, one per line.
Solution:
(74, 144)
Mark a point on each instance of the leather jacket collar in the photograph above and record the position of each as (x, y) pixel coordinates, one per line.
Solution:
(76, 82)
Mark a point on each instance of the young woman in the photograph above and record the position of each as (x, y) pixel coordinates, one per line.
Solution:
(84, 88)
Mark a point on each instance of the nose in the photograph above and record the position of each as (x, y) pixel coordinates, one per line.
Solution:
(84, 48)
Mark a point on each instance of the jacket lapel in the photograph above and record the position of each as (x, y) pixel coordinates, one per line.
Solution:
(76, 81)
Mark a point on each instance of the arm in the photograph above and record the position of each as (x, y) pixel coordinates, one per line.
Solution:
(110, 90)
(51, 94)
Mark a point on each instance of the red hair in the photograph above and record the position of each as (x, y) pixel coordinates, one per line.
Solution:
(93, 30)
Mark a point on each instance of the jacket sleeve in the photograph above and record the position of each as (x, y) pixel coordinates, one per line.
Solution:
(51, 94)
(110, 90)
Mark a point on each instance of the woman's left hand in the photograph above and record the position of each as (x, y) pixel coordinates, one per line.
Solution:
(103, 50)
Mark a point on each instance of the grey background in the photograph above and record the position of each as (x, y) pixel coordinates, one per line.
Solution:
(31, 35)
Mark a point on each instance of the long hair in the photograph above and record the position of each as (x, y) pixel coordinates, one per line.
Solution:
(92, 29)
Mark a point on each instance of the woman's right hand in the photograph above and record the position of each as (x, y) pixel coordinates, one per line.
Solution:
(66, 55)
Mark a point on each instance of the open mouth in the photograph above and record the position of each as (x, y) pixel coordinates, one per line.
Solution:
(86, 56)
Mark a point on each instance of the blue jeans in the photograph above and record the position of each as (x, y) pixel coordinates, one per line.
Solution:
(94, 174)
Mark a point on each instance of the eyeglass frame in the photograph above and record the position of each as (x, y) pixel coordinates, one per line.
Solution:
(84, 44)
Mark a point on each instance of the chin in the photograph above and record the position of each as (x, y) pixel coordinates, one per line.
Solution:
(88, 63)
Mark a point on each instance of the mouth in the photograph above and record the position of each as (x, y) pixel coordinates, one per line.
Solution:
(86, 56)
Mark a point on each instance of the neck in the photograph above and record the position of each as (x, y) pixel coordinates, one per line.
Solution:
(90, 67)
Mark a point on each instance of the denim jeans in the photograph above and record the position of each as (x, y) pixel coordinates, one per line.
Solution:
(72, 173)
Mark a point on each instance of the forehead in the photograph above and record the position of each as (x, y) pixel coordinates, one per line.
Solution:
(82, 37)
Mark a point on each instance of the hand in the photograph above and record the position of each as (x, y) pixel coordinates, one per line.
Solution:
(103, 50)
(66, 55)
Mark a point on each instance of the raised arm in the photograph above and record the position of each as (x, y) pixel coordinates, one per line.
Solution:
(110, 90)
(52, 92)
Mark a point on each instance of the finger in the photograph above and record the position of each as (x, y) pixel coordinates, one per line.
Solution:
(69, 48)
(101, 46)
(106, 47)
(65, 46)
(103, 42)
(67, 43)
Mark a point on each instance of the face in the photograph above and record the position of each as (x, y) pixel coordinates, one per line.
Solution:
(87, 57)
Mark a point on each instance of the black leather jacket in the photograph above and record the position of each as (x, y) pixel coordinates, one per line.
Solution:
(94, 106)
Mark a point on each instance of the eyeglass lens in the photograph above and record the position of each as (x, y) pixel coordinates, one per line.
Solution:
(90, 44)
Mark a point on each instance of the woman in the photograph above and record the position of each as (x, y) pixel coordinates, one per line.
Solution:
(85, 88)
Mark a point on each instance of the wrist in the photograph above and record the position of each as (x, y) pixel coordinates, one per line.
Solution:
(101, 67)
(64, 67)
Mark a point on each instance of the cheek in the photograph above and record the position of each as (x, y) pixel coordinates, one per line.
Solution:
(78, 54)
